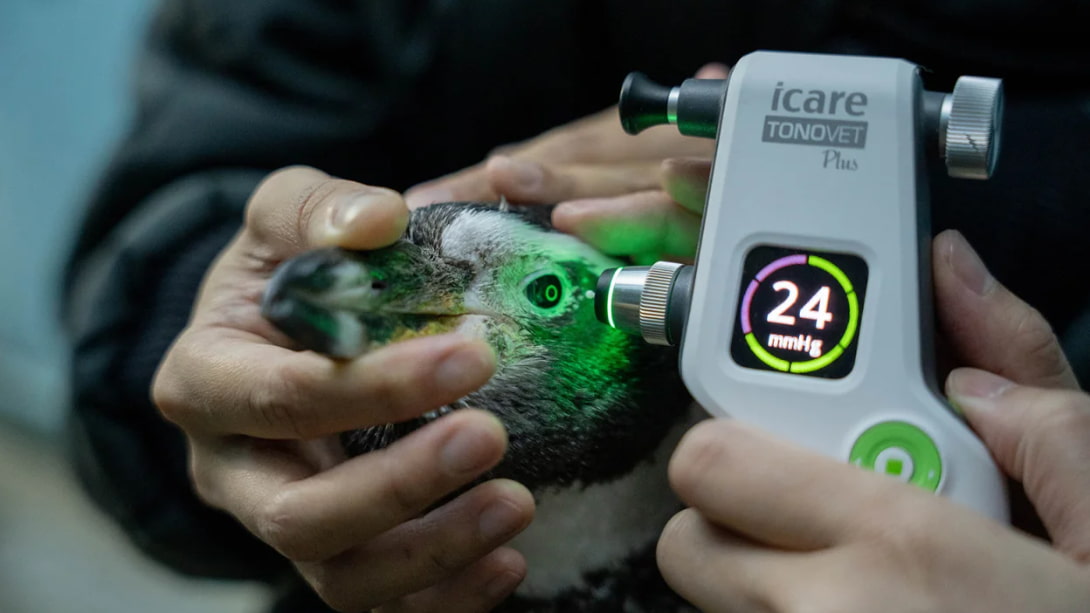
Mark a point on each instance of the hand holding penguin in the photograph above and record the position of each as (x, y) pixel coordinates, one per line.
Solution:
(262, 419)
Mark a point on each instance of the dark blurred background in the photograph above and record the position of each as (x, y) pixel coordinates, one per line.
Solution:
(65, 72)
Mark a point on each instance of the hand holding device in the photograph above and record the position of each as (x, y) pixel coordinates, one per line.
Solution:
(771, 523)
(808, 311)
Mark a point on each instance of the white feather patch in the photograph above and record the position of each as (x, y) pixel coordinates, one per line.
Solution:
(351, 338)
(476, 232)
(580, 529)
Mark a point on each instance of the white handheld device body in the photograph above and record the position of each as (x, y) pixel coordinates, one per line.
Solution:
(808, 311)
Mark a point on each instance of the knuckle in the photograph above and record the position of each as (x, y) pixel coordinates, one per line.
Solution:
(386, 394)
(1063, 411)
(704, 450)
(903, 539)
(888, 578)
(311, 200)
(1058, 415)
(282, 401)
(270, 190)
(566, 185)
(1037, 342)
(168, 397)
(1030, 324)
(329, 585)
(280, 525)
(405, 494)
(396, 383)
(170, 392)
(579, 140)
(442, 562)
(433, 559)
(205, 485)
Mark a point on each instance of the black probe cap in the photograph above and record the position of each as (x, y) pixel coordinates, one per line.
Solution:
(694, 105)
(643, 103)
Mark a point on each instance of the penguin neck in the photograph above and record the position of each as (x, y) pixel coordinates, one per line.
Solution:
(581, 529)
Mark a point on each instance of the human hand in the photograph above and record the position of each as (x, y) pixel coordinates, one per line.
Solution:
(624, 194)
(775, 528)
(262, 421)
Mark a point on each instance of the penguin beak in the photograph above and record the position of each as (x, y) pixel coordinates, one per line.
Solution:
(344, 303)
(299, 301)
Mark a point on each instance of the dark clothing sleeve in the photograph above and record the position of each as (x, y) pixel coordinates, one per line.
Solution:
(131, 300)
(227, 92)
(394, 92)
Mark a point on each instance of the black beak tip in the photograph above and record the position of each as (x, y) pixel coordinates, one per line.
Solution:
(283, 303)
(309, 326)
(311, 271)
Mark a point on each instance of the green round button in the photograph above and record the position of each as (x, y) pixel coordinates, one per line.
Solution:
(925, 465)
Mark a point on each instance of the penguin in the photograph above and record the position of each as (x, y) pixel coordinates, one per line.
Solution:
(592, 413)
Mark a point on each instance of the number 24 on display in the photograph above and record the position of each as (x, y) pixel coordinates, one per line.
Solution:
(817, 308)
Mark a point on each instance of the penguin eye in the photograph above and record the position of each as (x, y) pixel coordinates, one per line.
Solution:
(545, 291)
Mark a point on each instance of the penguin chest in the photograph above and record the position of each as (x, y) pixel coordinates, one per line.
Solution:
(591, 548)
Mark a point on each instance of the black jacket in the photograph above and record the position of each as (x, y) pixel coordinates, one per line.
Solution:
(394, 92)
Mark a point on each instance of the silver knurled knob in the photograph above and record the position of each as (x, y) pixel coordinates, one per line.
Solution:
(655, 301)
(973, 113)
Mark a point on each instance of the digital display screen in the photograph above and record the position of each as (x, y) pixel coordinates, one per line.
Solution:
(798, 311)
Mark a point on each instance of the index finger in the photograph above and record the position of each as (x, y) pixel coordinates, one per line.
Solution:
(780, 494)
(466, 185)
(266, 391)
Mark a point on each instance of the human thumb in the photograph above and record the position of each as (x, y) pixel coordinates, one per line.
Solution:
(1040, 437)
(299, 208)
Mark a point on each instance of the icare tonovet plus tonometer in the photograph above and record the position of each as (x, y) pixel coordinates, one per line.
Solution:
(808, 311)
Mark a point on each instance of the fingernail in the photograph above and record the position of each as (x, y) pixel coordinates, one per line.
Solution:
(968, 266)
(528, 175)
(468, 451)
(419, 197)
(465, 367)
(345, 210)
(572, 212)
(975, 389)
(570, 207)
(502, 584)
(500, 519)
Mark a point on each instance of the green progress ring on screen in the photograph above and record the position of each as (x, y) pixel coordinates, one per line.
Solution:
(845, 340)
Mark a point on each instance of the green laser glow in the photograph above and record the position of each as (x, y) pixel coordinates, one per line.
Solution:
(544, 291)
(609, 298)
